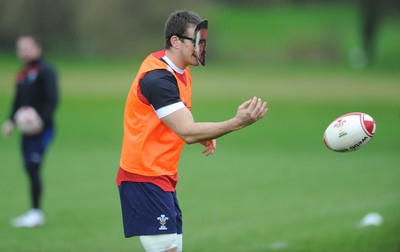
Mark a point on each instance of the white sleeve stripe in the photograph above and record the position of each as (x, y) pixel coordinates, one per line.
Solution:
(169, 109)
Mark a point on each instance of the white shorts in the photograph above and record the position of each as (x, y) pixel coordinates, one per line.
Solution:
(157, 243)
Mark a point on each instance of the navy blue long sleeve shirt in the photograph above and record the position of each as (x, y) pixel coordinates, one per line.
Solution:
(36, 86)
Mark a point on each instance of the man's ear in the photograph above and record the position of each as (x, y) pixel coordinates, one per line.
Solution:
(175, 41)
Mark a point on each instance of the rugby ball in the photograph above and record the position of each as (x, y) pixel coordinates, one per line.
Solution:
(349, 132)
(28, 121)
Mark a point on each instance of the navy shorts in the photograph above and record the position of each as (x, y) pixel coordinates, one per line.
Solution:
(148, 210)
(34, 147)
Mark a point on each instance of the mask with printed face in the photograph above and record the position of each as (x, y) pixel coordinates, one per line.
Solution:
(200, 41)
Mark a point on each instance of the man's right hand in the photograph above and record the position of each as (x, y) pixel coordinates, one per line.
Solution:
(7, 128)
(251, 111)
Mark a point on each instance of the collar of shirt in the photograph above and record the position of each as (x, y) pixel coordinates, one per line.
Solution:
(172, 65)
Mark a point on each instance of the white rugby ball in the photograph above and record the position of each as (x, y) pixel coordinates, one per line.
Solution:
(349, 132)
(28, 120)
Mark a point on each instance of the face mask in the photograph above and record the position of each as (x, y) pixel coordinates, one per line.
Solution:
(200, 41)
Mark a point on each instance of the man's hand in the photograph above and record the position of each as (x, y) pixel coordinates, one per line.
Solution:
(210, 147)
(251, 111)
(7, 128)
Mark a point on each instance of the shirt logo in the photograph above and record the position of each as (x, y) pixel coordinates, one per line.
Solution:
(163, 221)
(31, 76)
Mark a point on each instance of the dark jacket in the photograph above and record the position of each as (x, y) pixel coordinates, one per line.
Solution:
(36, 86)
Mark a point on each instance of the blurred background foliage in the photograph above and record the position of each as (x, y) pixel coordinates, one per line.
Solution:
(126, 28)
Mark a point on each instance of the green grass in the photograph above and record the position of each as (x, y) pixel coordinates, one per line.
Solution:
(270, 185)
(272, 182)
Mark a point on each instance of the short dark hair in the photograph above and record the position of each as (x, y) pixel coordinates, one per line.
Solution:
(177, 23)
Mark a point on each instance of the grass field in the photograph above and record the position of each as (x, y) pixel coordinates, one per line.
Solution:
(271, 187)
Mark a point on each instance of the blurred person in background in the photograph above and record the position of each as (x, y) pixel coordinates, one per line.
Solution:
(35, 86)
(371, 15)
(157, 123)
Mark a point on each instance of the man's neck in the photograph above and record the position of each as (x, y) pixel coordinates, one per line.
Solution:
(174, 59)
(172, 65)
